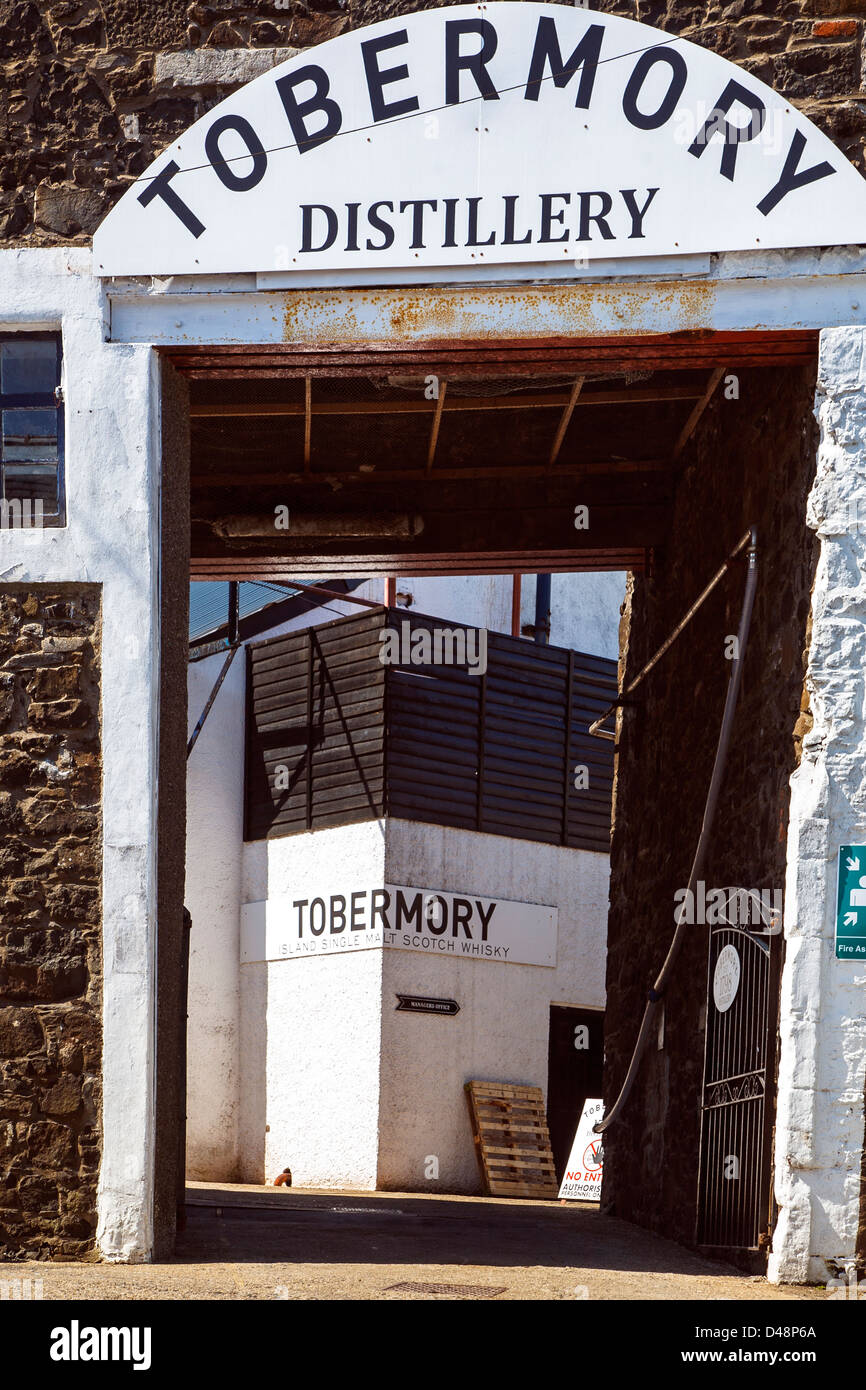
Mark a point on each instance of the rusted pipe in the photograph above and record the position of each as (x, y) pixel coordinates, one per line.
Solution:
(234, 621)
(515, 605)
(542, 609)
(595, 728)
(656, 993)
(332, 593)
(206, 711)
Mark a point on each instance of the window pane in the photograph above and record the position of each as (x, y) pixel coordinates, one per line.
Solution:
(28, 367)
(29, 436)
(31, 479)
(37, 481)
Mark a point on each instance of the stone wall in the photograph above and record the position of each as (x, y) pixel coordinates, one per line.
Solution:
(752, 461)
(50, 946)
(91, 91)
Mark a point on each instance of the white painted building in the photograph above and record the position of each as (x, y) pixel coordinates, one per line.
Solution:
(264, 1090)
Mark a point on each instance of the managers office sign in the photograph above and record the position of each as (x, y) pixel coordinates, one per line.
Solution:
(451, 926)
(484, 134)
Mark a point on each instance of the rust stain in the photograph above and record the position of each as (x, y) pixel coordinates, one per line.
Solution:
(585, 309)
(428, 314)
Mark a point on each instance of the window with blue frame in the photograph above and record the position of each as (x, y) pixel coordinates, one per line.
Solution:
(31, 430)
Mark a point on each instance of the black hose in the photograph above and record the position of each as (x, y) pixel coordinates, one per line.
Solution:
(656, 994)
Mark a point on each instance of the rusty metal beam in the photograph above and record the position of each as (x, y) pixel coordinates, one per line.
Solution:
(565, 418)
(232, 566)
(333, 593)
(254, 410)
(505, 357)
(437, 420)
(308, 421)
(455, 372)
(592, 468)
(691, 424)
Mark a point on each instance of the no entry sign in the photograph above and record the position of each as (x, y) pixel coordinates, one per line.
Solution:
(582, 1180)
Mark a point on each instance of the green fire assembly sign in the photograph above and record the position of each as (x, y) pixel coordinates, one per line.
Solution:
(851, 904)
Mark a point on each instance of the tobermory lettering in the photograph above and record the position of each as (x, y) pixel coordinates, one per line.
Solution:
(426, 921)
(381, 909)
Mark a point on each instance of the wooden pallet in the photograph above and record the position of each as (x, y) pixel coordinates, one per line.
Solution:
(512, 1142)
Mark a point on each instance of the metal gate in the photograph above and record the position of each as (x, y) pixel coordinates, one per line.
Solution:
(734, 1184)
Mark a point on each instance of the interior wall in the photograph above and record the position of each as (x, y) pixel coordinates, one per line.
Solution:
(215, 845)
(310, 1038)
(752, 460)
(503, 1028)
(346, 1091)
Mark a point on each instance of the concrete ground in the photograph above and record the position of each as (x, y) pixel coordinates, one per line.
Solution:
(245, 1242)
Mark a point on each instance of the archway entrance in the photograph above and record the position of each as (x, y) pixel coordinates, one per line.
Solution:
(478, 374)
(569, 456)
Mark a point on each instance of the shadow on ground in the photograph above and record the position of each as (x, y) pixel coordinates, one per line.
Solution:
(248, 1224)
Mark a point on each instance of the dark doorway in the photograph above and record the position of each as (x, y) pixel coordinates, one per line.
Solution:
(574, 1064)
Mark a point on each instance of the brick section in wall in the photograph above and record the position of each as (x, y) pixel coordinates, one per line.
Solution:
(91, 92)
(50, 920)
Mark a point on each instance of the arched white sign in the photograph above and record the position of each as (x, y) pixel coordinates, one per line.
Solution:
(486, 134)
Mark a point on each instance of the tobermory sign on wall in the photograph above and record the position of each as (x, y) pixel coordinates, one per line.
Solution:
(851, 903)
(312, 921)
(486, 134)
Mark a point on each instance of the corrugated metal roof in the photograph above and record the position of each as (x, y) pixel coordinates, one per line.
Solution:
(209, 602)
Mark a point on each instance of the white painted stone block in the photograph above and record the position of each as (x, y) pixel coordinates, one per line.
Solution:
(840, 360)
(187, 69)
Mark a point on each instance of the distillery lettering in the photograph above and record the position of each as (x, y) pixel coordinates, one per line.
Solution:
(450, 222)
(652, 89)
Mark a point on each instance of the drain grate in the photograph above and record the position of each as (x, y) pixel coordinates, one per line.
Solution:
(456, 1290)
(371, 1211)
